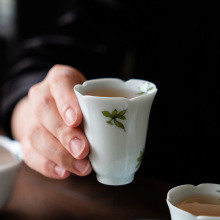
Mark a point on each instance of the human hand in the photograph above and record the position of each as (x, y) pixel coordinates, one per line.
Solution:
(47, 124)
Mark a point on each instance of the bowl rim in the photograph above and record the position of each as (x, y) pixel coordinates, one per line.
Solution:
(14, 147)
(200, 186)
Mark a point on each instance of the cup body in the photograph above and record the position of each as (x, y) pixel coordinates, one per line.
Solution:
(184, 191)
(9, 170)
(116, 128)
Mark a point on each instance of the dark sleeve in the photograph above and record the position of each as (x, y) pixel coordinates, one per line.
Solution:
(34, 58)
(44, 40)
(84, 34)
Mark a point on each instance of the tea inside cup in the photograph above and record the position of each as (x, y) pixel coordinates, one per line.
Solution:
(194, 202)
(6, 157)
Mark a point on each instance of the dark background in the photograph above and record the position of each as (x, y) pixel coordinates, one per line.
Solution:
(178, 50)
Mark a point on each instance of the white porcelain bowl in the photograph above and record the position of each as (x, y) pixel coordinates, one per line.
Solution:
(9, 169)
(178, 193)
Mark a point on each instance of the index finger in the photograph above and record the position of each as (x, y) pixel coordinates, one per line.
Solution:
(62, 79)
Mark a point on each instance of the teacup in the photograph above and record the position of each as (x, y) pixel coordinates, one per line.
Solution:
(11, 157)
(187, 194)
(116, 115)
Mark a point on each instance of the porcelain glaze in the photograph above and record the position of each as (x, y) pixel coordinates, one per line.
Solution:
(184, 191)
(9, 170)
(116, 127)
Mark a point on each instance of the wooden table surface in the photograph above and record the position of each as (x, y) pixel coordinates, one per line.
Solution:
(38, 197)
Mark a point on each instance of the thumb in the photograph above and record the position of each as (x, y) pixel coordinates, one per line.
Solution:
(62, 79)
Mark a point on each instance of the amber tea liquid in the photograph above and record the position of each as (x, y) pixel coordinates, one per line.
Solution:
(206, 205)
(111, 92)
(5, 156)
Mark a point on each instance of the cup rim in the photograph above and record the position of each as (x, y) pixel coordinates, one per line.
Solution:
(115, 83)
(200, 186)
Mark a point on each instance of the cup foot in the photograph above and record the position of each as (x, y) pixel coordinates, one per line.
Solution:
(115, 181)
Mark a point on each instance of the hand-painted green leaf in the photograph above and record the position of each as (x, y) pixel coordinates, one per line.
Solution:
(114, 113)
(110, 122)
(106, 114)
(122, 117)
(119, 124)
(149, 89)
(140, 93)
(140, 158)
(121, 113)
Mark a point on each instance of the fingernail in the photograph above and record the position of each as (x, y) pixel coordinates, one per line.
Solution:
(82, 165)
(70, 116)
(77, 146)
(59, 171)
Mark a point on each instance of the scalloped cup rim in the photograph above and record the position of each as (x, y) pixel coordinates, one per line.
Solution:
(113, 157)
(108, 83)
(192, 187)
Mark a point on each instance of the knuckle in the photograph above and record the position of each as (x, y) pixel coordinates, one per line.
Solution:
(32, 134)
(59, 75)
(33, 91)
(61, 68)
(63, 135)
(66, 134)
(64, 72)
(62, 157)
(56, 68)
(40, 103)
(47, 168)
(58, 131)
(39, 97)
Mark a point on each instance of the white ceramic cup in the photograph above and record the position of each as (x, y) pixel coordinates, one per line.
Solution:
(9, 169)
(185, 191)
(116, 127)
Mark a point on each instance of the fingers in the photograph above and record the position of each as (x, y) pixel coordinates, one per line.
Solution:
(56, 161)
(44, 107)
(41, 164)
(53, 144)
(63, 93)
(50, 169)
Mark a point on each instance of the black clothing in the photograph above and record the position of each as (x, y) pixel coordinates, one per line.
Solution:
(173, 44)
